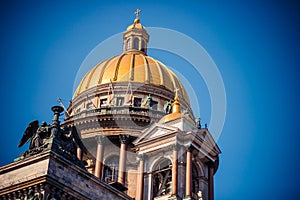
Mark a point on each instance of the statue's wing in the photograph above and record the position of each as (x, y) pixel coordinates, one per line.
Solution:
(78, 140)
(29, 132)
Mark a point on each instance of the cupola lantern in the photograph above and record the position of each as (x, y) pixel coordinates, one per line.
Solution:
(136, 37)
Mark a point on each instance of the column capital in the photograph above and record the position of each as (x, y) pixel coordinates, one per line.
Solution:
(124, 139)
(175, 146)
(141, 157)
(189, 148)
(100, 139)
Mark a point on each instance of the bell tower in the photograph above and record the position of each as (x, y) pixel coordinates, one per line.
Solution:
(135, 37)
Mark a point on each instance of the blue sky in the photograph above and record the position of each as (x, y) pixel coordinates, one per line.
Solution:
(255, 45)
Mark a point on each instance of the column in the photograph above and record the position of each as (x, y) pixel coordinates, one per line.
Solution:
(140, 178)
(210, 181)
(188, 184)
(96, 101)
(175, 169)
(99, 156)
(122, 159)
(79, 153)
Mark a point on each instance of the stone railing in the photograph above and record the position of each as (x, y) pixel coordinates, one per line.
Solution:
(118, 110)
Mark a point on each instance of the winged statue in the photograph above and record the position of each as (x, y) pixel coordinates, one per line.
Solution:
(70, 140)
(29, 132)
(64, 141)
(168, 107)
(35, 134)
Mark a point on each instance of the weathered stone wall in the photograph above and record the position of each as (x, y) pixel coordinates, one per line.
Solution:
(56, 177)
(22, 171)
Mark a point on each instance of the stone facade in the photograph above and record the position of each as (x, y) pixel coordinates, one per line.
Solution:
(50, 176)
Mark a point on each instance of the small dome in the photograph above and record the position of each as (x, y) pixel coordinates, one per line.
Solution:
(170, 117)
(132, 66)
(136, 25)
(176, 114)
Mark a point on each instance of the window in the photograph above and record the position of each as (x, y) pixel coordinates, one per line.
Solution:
(128, 44)
(137, 102)
(136, 43)
(120, 101)
(111, 169)
(103, 102)
(162, 179)
(89, 105)
(143, 48)
(154, 105)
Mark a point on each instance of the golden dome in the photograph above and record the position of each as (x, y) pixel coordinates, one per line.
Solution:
(131, 66)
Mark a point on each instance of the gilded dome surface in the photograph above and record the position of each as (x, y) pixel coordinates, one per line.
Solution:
(132, 66)
(176, 113)
(136, 25)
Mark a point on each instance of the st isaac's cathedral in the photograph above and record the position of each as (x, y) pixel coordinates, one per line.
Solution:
(128, 133)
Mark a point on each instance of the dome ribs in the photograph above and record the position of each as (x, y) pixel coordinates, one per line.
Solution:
(117, 67)
(165, 76)
(160, 72)
(124, 69)
(172, 80)
(147, 74)
(78, 91)
(103, 69)
(92, 74)
(131, 71)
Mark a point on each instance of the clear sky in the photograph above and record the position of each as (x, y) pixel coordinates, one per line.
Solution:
(255, 45)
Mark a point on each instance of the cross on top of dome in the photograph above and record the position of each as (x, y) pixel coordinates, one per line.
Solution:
(137, 13)
(137, 20)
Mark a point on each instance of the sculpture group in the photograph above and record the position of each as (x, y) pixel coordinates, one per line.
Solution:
(64, 140)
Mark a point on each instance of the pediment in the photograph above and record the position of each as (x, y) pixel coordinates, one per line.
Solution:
(154, 131)
(206, 137)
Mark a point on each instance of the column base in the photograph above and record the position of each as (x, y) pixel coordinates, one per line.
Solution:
(174, 197)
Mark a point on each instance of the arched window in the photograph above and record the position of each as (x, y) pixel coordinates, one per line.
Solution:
(162, 178)
(136, 42)
(127, 44)
(111, 169)
(143, 47)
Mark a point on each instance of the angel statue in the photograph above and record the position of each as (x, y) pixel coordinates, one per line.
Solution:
(168, 107)
(64, 141)
(35, 134)
(148, 101)
(70, 140)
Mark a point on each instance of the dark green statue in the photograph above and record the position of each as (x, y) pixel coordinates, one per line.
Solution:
(168, 107)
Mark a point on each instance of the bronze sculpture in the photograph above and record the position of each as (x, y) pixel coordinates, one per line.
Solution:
(64, 140)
